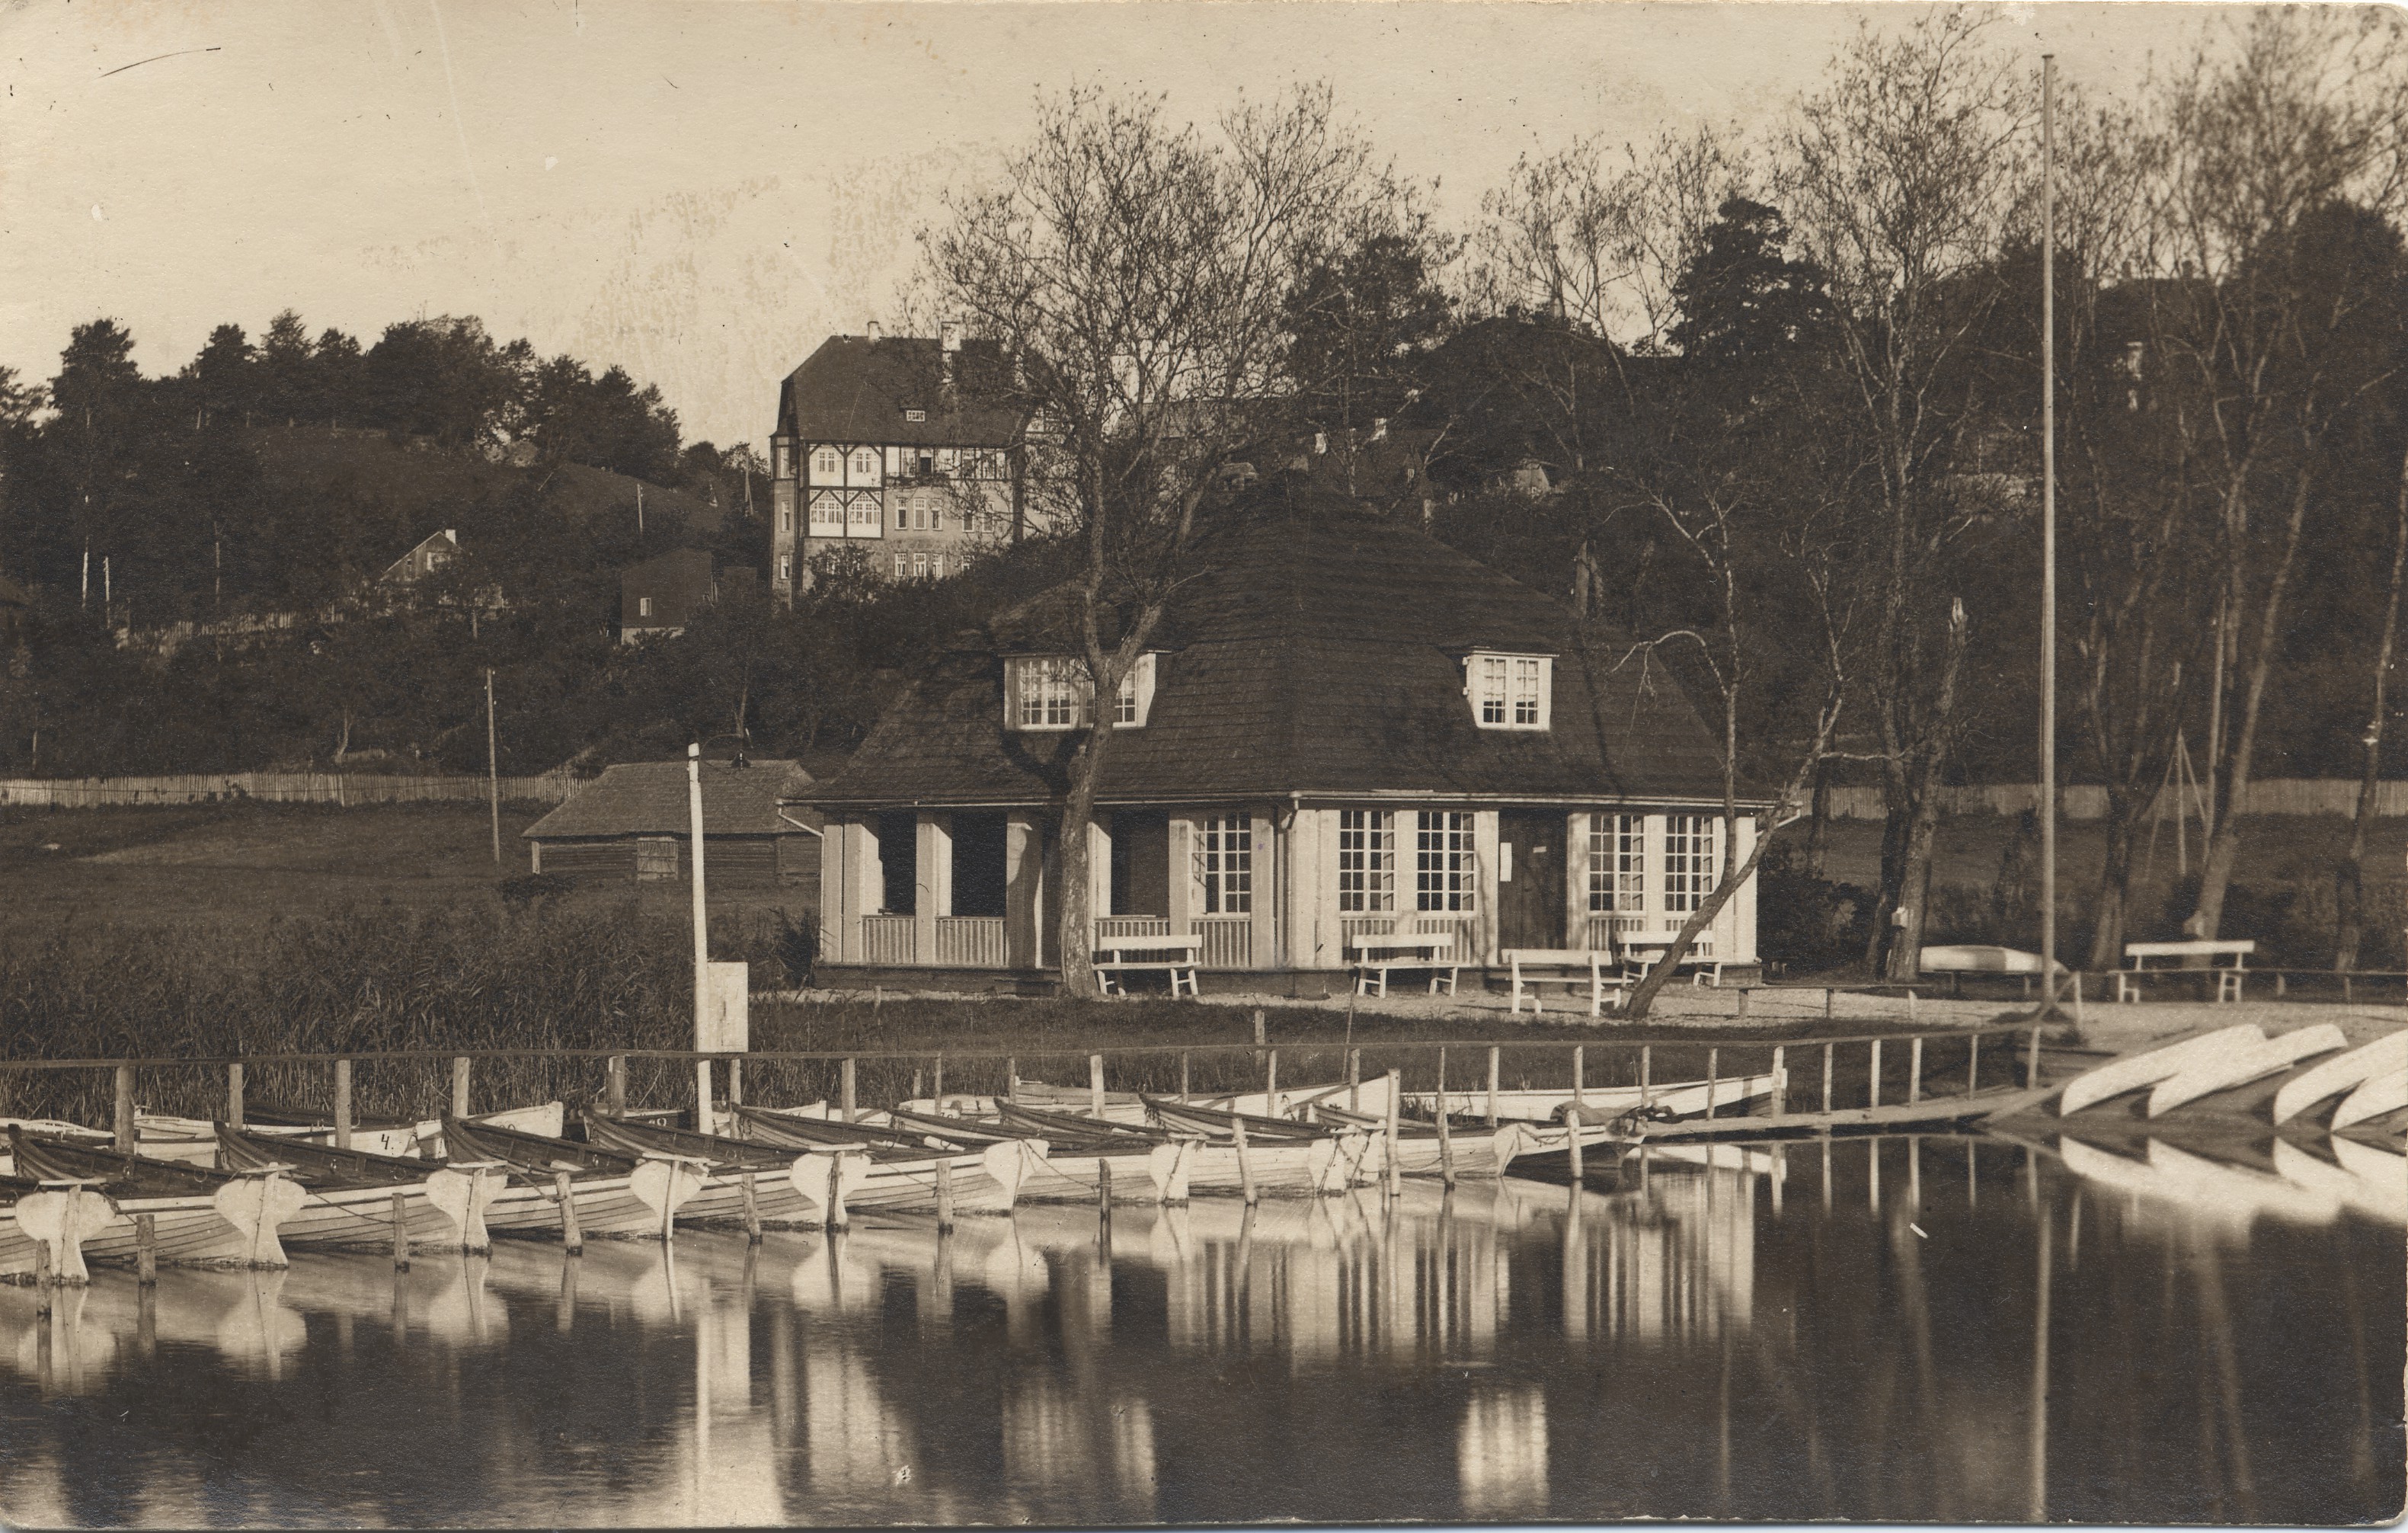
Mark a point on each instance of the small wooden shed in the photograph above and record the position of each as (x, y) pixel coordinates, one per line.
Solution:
(631, 824)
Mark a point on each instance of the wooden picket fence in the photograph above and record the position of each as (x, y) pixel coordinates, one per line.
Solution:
(346, 788)
(2089, 801)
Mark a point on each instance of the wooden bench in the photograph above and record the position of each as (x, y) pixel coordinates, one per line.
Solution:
(2228, 980)
(1177, 956)
(1535, 967)
(1373, 956)
(1703, 966)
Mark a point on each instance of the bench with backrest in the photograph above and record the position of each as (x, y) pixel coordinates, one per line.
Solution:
(1703, 966)
(2227, 979)
(1177, 956)
(1373, 956)
(1531, 967)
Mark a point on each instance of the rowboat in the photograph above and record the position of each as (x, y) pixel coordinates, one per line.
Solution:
(844, 1179)
(1678, 1098)
(790, 1131)
(777, 1203)
(2376, 1098)
(92, 1196)
(2240, 1061)
(169, 1137)
(615, 1195)
(2133, 1071)
(2384, 1055)
(350, 1193)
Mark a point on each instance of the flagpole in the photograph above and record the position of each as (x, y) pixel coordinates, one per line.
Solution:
(2048, 530)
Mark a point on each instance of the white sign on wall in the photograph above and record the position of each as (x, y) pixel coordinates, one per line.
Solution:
(726, 1016)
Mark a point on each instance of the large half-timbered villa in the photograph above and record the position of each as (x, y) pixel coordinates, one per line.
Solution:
(1344, 728)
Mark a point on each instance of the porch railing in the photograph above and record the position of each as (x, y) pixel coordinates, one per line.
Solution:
(1228, 941)
(970, 941)
(889, 939)
(1109, 927)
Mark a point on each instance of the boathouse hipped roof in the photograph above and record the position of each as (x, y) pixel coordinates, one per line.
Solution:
(1318, 651)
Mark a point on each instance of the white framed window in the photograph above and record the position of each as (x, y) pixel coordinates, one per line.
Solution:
(861, 512)
(785, 570)
(1445, 864)
(643, 607)
(1051, 691)
(937, 566)
(828, 514)
(1509, 691)
(780, 457)
(902, 565)
(919, 566)
(1617, 863)
(826, 463)
(1224, 864)
(1367, 861)
(1689, 861)
(865, 464)
(786, 519)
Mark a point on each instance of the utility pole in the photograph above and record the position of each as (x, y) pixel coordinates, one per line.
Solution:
(2048, 531)
(640, 508)
(492, 766)
(701, 940)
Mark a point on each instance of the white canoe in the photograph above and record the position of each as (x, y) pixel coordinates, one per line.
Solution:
(2338, 1075)
(1980, 958)
(2376, 1185)
(2133, 1071)
(2240, 1062)
(2383, 1094)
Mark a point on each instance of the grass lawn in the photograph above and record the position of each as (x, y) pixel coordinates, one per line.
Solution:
(214, 863)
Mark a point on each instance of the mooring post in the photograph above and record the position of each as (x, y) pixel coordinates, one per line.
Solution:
(1445, 1145)
(837, 1215)
(459, 1066)
(944, 1194)
(1271, 1082)
(342, 1104)
(1441, 1081)
(1245, 1166)
(1096, 1086)
(1353, 1079)
(1258, 1028)
(736, 1080)
(1010, 1079)
(938, 1090)
(1646, 1067)
(1580, 1075)
(234, 1094)
(752, 1210)
(1779, 1083)
(616, 1083)
(400, 1235)
(1103, 1187)
(918, 1078)
(1915, 1069)
(1494, 1053)
(41, 1276)
(146, 1249)
(1714, 1077)
(1874, 1086)
(1579, 1171)
(127, 1138)
(1183, 1075)
(1827, 1079)
(851, 1104)
(1395, 1105)
(572, 1236)
(1972, 1063)
(2031, 1070)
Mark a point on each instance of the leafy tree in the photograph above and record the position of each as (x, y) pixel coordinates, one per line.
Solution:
(1742, 299)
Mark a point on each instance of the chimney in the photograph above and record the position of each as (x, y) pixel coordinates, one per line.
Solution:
(873, 330)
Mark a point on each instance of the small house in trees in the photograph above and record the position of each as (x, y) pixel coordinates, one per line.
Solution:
(1344, 728)
(658, 598)
(431, 555)
(632, 824)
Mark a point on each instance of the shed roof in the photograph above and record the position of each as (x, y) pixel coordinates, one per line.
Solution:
(1318, 651)
(854, 389)
(649, 798)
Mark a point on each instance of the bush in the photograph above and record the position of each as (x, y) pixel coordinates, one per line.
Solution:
(1805, 922)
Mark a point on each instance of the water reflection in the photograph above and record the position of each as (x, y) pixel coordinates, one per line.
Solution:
(2135, 1332)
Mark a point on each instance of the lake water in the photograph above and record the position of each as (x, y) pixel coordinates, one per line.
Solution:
(1941, 1328)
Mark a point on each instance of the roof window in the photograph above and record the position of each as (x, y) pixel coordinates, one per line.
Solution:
(1509, 691)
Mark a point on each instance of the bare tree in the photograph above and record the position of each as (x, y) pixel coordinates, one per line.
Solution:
(1137, 270)
(2271, 146)
(1905, 177)
(2350, 878)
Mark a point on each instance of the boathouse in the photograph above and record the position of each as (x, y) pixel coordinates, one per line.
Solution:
(631, 825)
(1344, 728)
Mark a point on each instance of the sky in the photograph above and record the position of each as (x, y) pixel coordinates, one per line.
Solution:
(703, 191)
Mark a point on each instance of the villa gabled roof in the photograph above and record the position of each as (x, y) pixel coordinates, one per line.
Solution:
(854, 389)
(649, 798)
(1318, 651)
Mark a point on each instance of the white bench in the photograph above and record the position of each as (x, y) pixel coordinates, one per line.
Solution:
(1177, 956)
(1535, 967)
(1703, 966)
(2228, 980)
(1373, 956)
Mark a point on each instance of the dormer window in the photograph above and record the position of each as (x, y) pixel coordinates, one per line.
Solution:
(1044, 691)
(1509, 691)
(915, 415)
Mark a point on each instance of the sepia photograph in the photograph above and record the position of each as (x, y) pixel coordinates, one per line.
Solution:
(1748, 862)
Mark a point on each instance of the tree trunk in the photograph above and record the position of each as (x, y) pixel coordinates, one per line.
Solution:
(2123, 812)
(1700, 918)
(2350, 878)
(2224, 844)
(1905, 956)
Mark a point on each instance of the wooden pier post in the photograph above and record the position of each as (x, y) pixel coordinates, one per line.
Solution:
(836, 1215)
(400, 1235)
(851, 1103)
(1010, 1079)
(736, 1080)
(1183, 1075)
(1096, 1086)
(1103, 1187)
(42, 1282)
(918, 1078)
(938, 1090)
(1827, 1079)
(2031, 1071)
(1915, 1069)
(1245, 1164)
(1441, 1081)
(1580, 1077)
(944, 1194)
(1646, 1064)
(1395, 1105)
(146, 1249)
(460, 1068)
(342, 1104)
(614, 1077)
(1874, 1086)
(1445, 1145)
(1271, 1083)
(1714, 1077)
(234, 1094)
(1258, 1028)
(1493, 1055)
(127, 1139)
(1779, 1083)
(1579, 1172)
(572, 1238)
(752, 1210)
(1353, 1079)
(1972, 1063)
